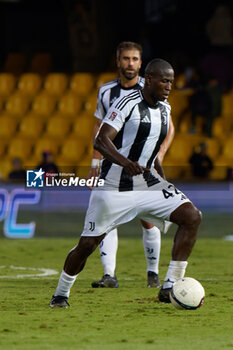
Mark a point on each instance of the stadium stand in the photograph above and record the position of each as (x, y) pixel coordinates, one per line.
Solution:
(105, 77)
(3, 147)
(54, 111)
(17, 104)
(8, 126)
(227, 105)
(57, 127)
(220, 129)
(82, 84)
(90, 104)
(29, 84)
(83, 127)
(7, 84)
(56, 84)
(43, 104)
(213, 147)
(5, 167)
(31, 126)
(70, 104)
(19, 147)
(72, 150)
(45, 144)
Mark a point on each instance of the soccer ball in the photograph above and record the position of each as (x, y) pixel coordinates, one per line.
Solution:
(187, 293)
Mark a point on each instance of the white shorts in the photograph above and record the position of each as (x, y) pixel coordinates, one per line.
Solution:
(109, 209)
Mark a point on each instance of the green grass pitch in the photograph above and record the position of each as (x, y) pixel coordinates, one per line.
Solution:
(126, 318)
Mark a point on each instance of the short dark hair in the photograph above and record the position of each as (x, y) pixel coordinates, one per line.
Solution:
(128, 45)
(156, 65)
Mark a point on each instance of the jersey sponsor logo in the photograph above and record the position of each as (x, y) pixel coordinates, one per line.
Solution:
(112, 116)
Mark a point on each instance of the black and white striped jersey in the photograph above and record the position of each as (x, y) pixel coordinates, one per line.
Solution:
(110, 91)
(141, 130)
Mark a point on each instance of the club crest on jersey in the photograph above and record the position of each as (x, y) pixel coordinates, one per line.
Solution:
(112, 116)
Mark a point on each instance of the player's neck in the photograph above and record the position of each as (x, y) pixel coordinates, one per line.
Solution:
(128, 83)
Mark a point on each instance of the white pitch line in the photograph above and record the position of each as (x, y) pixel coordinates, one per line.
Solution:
(42, 272)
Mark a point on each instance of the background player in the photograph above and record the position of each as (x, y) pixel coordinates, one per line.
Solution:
(137, 124)
(128, 61)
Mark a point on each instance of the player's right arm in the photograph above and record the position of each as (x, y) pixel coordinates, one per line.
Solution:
(96, 156)
(103, 143)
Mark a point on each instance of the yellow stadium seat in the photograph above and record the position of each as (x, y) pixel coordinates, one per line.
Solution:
(219, 172)
(72, 151)
(1, 104)
(90, 104)
(227, 152)
(43, 104)
(15, 63)
(83, 128)
(29, 84)
(7, 84)
(32, 162)
(17, 104)
(213, 147)
(8, 126)
(5, 168)
(220, 128)
(31, 127)
(3, 146)
(45, 144)
(179, 101)
(56, 84)
(65, 166)
(19, 147)
(173, 171)
(227, 104)
(83, 168)
(57, 127)
(106, 77)
(180, 150)
(82, 84)
(70, 104)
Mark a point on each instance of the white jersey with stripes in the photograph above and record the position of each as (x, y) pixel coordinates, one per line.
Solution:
(141, 130)
(112, 90)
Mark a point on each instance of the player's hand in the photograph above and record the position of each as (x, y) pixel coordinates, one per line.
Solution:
(133, 168)
(94, 172)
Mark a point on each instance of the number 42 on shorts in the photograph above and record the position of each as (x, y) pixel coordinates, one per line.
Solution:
(174, 192)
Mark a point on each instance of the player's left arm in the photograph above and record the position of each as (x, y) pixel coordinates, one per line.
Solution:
(167, 141)
(158, 167)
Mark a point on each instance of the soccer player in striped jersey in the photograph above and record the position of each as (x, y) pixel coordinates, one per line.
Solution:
(128, 60)
(135, 186)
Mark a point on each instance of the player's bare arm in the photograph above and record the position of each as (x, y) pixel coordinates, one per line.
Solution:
(103, 143)
(167, 141)
(159, 168)
(96, 154)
